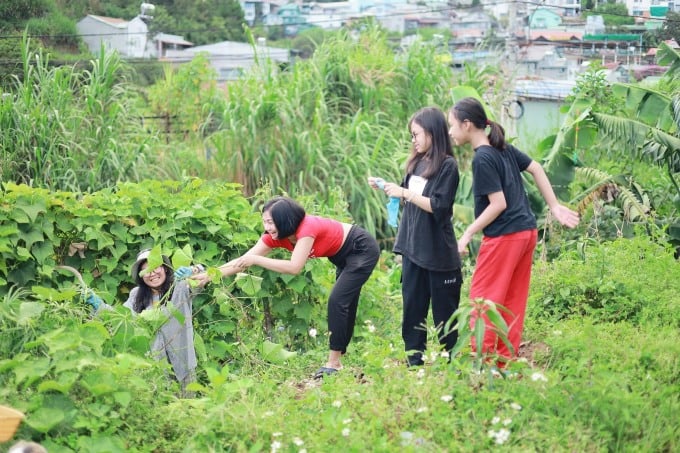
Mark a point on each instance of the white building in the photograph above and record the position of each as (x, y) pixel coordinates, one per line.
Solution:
(129, 38)
(231, 59)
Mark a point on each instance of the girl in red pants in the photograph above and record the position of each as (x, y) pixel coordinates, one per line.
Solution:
(503, 214)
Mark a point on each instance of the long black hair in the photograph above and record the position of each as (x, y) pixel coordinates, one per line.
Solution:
(472, 110)
(286, 213)
(433, 122)
(144, 296)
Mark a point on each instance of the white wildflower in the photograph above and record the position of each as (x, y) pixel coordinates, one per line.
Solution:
(276, 445)
(538, 376)
(420, 373)
(507, 421)
(312, 332)
(371, 328)
(446, 398)
(268, 414)
(345, 432)
(444, 354)
(277, 434)
(515, 406)
(297, 441)
(495, 420)
(347, 421)
(502, 436)
(337, 403)
(420, 410)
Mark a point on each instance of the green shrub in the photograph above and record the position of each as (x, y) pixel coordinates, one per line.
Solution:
(636, 280)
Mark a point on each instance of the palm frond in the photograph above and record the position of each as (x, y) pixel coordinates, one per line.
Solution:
(635, 204)
(667, 56)
(629, 133)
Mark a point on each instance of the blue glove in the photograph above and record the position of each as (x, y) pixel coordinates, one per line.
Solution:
(183, 272)
(94, 300)
(392, 211)
(392, 205)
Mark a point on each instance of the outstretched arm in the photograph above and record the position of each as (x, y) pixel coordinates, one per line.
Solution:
(564, 215)
(293, 265)
(231, 267)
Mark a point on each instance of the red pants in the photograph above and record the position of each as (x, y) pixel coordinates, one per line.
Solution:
(502, 275)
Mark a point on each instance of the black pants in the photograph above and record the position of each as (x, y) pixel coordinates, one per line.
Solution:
(354, 264)
(419, 286)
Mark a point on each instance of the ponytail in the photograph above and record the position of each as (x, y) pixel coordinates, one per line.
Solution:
(472, 110)
(496, 135)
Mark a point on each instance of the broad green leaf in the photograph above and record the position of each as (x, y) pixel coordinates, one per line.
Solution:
(99, 383)
(122, 398)
(154, 260)
(42, 251)
(97, 444)
(31, 209)
(31, 370)
(298, 284)
(131, 362)
(63, 385)
(29, 311)
(275, 353)
(31, 237)
(44, 419)
(182, 257)
(249, 284)
(54, 294)
(303, 311)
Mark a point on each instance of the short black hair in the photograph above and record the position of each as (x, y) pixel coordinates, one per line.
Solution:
(286, 213)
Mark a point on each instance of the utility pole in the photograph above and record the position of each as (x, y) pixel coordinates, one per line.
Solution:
(512, 35)
(510, 69)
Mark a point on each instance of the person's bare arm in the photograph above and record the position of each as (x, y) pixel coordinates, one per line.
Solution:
(293, 265)
(497, 205)
(564, 215)
(231, 267)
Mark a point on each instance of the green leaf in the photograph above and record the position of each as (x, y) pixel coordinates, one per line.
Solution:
(31, 370)
(154, 260)
(122, 398)
(298, 284)
(28, 311)
(275, 353)
(54, 294)
(497, 320)
(249, 284)
(182, 257)
(42, 251)
(32, 208)
(44, 419)
(479, 334)
(303, 311)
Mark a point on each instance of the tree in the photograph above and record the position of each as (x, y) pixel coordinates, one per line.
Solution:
(613, 14)
(671, 27)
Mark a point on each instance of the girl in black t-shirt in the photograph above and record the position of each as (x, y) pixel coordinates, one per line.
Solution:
(425, 239)
(502, 213)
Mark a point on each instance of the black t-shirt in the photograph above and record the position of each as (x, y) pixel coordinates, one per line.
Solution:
(496, 171)
(427, 239)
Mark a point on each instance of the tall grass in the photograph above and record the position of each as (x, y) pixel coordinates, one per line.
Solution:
(329, 121)
(65, 129)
